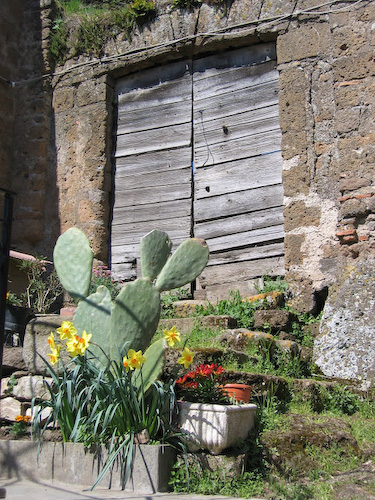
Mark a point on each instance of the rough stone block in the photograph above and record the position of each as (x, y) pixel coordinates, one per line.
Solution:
(298, 214)
(355, 66)
(12, 360)
(347, 120)
(36, 344)
(31, 386)
(183, 325)
(91, 91)
(293, 254)
(218, 322)
(10, 408)
(278, 319)
(63, 99)
(296, 181)
(345, 347)
(303, 42)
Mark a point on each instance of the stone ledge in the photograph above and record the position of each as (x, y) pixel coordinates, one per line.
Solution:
(59, 461)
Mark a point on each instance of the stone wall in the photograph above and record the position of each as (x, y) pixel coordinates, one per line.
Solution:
(326, 68)
(27, 149)
(10, 13)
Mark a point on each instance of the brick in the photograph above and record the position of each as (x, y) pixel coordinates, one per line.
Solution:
(363, 237)
(360, 196)
(345, 232)
(349, 239)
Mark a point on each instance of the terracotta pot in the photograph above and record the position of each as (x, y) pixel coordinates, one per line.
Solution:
(240, 392)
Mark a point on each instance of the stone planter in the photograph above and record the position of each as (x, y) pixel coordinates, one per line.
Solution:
(215, 427)
(71, 462)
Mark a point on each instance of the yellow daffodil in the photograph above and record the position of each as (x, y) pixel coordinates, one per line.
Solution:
(186, 357)
(54, 355)
(51, 341)
(66, 330)
(77, 345)
(172, 336)
(133, 360)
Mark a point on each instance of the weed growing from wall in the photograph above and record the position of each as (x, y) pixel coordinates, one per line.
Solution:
(85, 26)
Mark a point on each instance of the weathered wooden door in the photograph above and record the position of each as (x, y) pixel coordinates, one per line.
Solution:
(153, 176)
(238, 195)
(198, 153)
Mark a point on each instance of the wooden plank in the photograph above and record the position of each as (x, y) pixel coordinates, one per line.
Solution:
(159, 94)
(243, 174)
(235, 81)
(152, 211)
(143, 196)
(132, 233)
(238, 203)
(233, 225)
(243, 124)
(154, 179)
(248, 56)
(123, 272)
(249, 253)
(157, 75)
(162, 138)
(153, 116)
(234, 102)
(168, 159)
(129, 252)
(214, 293)
(244, 147)
(246, 238)
(241, 271)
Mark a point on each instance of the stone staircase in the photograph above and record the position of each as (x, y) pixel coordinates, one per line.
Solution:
(272, 333)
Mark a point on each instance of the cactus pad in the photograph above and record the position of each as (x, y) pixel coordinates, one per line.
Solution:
(155, 248)
(73, 258)
(185, 264)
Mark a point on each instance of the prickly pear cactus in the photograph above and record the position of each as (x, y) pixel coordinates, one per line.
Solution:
(73, 258)
(134, 315)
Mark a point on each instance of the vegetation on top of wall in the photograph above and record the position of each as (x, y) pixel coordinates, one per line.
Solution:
(85, 26)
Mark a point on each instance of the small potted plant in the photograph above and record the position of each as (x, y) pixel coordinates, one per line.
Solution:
(17, 314)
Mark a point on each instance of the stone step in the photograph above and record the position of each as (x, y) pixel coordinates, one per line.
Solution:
(240, 338)
(267, 300)
(185, 308)
(186, 325)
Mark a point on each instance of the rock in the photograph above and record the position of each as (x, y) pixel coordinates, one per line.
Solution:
(269, 300)
(31, 386)
(227, 464)
(13, 360)
(183, 325)
(36, 344)
(239, 338)
(10, 408)
(278, 319)
(184, 308)
(289, 449)
(218, 322)
(345, 347)
(288, 347)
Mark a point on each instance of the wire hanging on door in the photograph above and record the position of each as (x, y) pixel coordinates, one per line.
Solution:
(209, 153)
